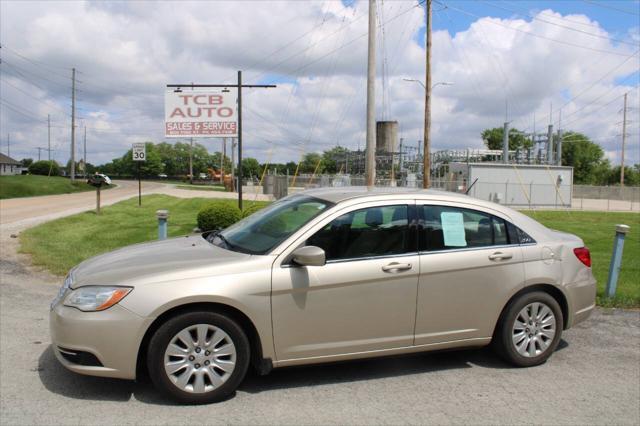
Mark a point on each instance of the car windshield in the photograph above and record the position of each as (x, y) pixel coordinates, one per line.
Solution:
(265, 229)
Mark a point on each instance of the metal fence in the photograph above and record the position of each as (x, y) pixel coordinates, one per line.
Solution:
(514, 194)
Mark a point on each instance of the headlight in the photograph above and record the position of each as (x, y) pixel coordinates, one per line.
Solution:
(96, 298)
(63, 290)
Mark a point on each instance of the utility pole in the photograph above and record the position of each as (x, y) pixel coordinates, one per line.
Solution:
(73, 125)
(370, 163)
(401, 165)
(624, 139)
(8, 146)
(49, 135)
(505, 143)
(233, 164)
(550, 144)
(426, 159)
(85, 151)
(224, 143)
(191, 161)
(559, 142)
(39, 149)
(240, 139)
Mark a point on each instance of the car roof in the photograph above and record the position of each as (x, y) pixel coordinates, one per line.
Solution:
(340, 194)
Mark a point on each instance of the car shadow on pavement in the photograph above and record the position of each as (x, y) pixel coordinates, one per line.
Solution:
(59, 380)
(377, 368)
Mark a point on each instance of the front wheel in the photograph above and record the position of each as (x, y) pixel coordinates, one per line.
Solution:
(198, 357)
(530, 329)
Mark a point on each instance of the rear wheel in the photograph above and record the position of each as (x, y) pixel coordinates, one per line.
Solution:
(198, 357)
(530, 329)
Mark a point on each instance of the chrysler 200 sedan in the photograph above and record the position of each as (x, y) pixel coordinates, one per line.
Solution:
(319, 276)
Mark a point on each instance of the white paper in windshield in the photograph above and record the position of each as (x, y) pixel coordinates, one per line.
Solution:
(453, 229)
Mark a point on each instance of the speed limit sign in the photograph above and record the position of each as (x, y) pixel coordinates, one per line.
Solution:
(139, 153)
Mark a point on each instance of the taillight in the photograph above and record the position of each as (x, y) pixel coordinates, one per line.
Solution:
(583, 255)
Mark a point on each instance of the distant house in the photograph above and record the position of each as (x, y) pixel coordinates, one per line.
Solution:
(9, 166)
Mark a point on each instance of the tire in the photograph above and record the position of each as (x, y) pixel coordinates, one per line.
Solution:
(525, 344)
(209, 375)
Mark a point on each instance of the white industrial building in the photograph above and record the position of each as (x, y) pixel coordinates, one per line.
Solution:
(535, 185)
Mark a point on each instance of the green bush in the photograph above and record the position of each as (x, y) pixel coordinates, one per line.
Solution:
(218, 216)
(251, 209)
(43, 167)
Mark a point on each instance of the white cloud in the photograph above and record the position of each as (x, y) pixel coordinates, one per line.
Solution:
(127, 51)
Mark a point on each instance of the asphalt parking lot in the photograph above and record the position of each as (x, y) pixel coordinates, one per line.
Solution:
(593, 378)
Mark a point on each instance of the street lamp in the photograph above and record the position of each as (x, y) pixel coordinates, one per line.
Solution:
(440, 83)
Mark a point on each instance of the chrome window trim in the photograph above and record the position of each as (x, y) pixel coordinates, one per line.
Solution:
(355, 259)
(425, 252)
(467, 249)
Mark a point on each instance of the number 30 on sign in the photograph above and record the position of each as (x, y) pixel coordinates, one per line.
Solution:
(139, 152)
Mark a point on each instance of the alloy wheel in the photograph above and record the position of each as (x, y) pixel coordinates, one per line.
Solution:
(533, 329)
(200, 358)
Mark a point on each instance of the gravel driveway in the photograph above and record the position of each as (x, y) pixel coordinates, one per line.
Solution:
(593, 378)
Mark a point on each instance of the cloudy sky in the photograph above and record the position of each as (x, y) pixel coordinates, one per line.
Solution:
(519, 58)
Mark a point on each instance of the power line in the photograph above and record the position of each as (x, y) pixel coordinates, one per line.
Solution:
(33, 61)
(18, 110)
(281, 48)
(608, 6)
(536, 18)
(567, 43)
(16, 67)
(309, 47)
(44, 102)
(591, 103)
(564, 18)
(607, 74)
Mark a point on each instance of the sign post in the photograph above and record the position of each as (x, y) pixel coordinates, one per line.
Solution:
(139, 153)
(207, 113)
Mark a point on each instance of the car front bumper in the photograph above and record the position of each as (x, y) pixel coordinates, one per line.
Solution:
(104, 343)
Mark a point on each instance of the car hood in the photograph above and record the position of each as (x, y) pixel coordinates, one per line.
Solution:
(154, 261)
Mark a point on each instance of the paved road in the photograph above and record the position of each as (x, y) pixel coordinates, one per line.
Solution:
(18, 213)
(594, 377)
(25, 209)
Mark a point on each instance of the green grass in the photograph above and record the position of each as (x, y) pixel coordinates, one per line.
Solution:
(597, 230)
(202, 187)
(31, 185)
(63, 243)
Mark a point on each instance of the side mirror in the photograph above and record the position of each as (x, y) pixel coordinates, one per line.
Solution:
(309, 256)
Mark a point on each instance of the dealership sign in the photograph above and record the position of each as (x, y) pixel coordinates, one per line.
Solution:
(206, 114)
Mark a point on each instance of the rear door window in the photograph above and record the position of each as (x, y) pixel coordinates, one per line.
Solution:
(446, 228)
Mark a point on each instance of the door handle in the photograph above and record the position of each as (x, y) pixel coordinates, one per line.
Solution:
(396, 267)
(500, 256)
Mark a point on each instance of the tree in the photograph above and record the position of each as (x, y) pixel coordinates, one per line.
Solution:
(311, 162)
(250, 167)
(291, 167)
(26, 162)
(45, 168)
(493, 139)
(631, 176)
(333, 159)
(151, 167)
(587, 159)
